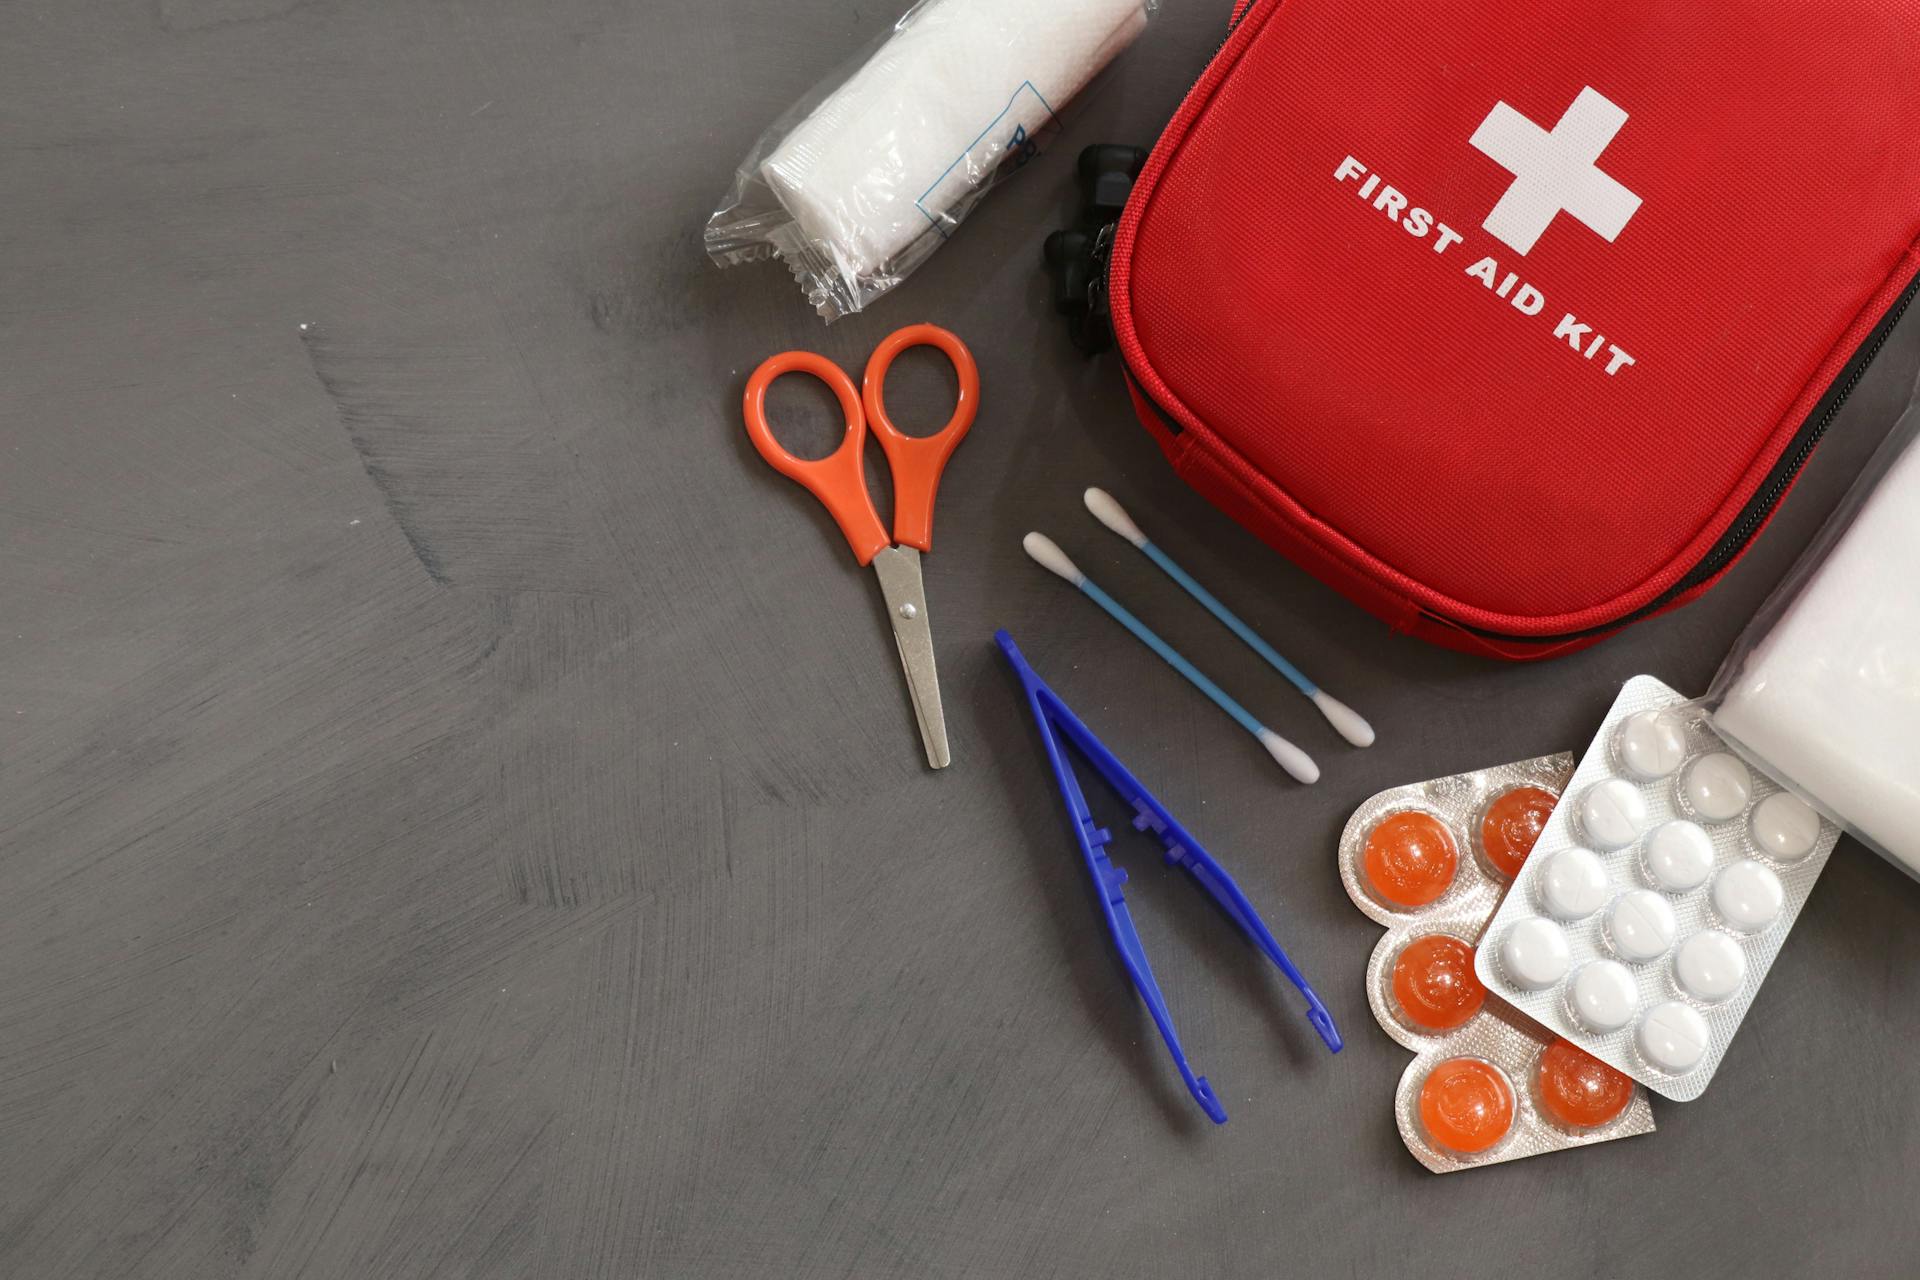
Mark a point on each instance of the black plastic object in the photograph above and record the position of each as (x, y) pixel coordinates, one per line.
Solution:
(1076, 256)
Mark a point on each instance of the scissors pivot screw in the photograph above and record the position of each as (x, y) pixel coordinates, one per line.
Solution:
(908, 612)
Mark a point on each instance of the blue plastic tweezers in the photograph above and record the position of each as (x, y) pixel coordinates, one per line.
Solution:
(1058, 723)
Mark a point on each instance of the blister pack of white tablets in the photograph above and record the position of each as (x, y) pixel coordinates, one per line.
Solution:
(1487, 1084)
(1657, 896)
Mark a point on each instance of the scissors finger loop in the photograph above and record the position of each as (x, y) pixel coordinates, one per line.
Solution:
(917, 461)
(966, 372)
(838, 480)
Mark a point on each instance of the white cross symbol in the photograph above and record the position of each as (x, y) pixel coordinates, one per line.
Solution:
(1555, 171)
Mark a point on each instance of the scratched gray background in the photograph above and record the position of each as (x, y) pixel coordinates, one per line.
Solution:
(459, 815)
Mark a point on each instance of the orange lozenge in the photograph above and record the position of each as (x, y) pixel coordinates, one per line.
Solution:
(1466, 1105)
(1578, 1089)
(1511, 824)
(1410, 858)
(1434, 982)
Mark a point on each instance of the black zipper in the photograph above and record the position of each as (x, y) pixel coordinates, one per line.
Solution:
(1097, 286)
(1768, 496)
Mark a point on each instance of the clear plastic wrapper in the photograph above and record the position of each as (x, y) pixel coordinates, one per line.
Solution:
(1431, 861)
(863, 179)
(1822, 689)
(1657, 896)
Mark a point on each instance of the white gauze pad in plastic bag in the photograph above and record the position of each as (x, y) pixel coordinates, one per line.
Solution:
(957, 88)
(1829, 700)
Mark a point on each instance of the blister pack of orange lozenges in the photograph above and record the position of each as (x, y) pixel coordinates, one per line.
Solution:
(1431, 861)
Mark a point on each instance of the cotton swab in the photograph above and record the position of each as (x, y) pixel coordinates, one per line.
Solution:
(1343, 718)
(1289, 757)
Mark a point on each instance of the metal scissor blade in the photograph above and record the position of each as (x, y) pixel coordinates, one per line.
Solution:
(898, 569)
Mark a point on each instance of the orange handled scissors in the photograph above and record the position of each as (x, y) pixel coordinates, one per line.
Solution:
(839, 480)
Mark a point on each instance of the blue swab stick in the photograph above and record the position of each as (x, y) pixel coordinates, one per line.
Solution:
(1289, 757)
(1343, 718)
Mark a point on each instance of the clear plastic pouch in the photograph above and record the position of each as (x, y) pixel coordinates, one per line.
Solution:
(1822, 690)
(859, 182)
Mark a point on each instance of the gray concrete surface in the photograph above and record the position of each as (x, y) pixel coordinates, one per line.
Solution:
(459, 815)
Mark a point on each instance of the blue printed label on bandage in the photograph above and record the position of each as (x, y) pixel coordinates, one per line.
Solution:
(1013, 137)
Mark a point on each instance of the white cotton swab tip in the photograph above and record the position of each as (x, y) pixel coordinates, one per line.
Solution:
(1350, 724)
(1048, 553)
(1113, 515)
(1289, 757)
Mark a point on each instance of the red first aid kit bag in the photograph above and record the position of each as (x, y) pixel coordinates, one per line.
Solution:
(1515, 322)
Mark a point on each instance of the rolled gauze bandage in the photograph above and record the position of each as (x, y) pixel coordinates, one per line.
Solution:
(1828, 700)
(958, 87)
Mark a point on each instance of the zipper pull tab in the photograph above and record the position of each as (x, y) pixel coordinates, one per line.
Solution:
(1077, 257)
